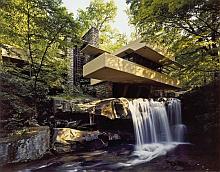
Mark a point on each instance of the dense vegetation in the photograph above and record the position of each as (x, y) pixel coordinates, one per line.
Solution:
(45, 31)
(101, 15)
(190, 31)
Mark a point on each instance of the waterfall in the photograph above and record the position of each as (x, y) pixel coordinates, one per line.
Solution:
(157, 121)
(175, 119)
(150, 121)
(158, 127)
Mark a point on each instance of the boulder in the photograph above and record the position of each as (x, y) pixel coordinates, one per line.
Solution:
(68, 140)
(111, 108)
(64, 105)
(25, 145)
(69, 136)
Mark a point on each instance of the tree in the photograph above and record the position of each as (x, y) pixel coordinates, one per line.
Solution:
(98, 14)
(112, 40)
(43, 28)
(101, 14)
(188, 28)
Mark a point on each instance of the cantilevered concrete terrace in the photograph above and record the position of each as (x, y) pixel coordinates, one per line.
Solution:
(112, 67)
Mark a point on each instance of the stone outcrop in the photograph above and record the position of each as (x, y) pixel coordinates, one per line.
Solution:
(111, 108)
(68, 140)
(90, 124)
(30, 144)
(201, 114)
(68, 135)
(64, 105)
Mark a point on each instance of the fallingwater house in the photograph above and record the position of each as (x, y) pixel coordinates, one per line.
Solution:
(135, 70)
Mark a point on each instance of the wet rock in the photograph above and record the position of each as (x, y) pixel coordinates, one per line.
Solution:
(61, 123)
(62, 148)
(68, 140)
(113, 136)
(68, 135)
(116, 108)
(86, 127)
(105, 108)
(111, 108)
(179, 168)
(25, 145)
(95, 144)
(73, 124)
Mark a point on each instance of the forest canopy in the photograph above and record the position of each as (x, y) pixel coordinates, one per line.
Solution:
(43, 29)
(101, 15)
(189, 29)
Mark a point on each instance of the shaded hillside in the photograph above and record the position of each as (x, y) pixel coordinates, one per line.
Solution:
(16, 101)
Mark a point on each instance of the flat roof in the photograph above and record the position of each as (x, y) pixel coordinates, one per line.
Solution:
(108, 67)
(146, 51)
(92, 50)
(137, 47)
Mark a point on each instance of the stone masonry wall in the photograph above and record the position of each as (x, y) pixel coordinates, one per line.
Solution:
(104, 90)
(30, 146)
(70, 71)
(79, 59)
(92, 37)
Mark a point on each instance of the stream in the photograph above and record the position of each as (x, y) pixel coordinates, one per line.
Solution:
(160, 146)
(183, 157)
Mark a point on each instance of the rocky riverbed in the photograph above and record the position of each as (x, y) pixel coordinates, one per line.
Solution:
(185, 157)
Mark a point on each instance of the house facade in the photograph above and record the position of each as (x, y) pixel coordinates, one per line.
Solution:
(135, 70)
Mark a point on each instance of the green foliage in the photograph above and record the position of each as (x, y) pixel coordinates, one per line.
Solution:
(188, 29)
(100, 14)
(17, 98)
(44, 30)
(112, 40)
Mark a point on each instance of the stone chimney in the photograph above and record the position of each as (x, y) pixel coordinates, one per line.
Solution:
(78, 59)
(91, 37)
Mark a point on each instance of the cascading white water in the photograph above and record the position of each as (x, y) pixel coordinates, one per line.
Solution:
(150, 121)
(158, 128)
(175, 119)
(157, 122)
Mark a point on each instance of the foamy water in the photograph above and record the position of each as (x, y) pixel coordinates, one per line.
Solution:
(158, 128)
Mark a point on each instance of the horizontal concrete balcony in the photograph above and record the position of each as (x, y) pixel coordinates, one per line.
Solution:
(109, 67)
